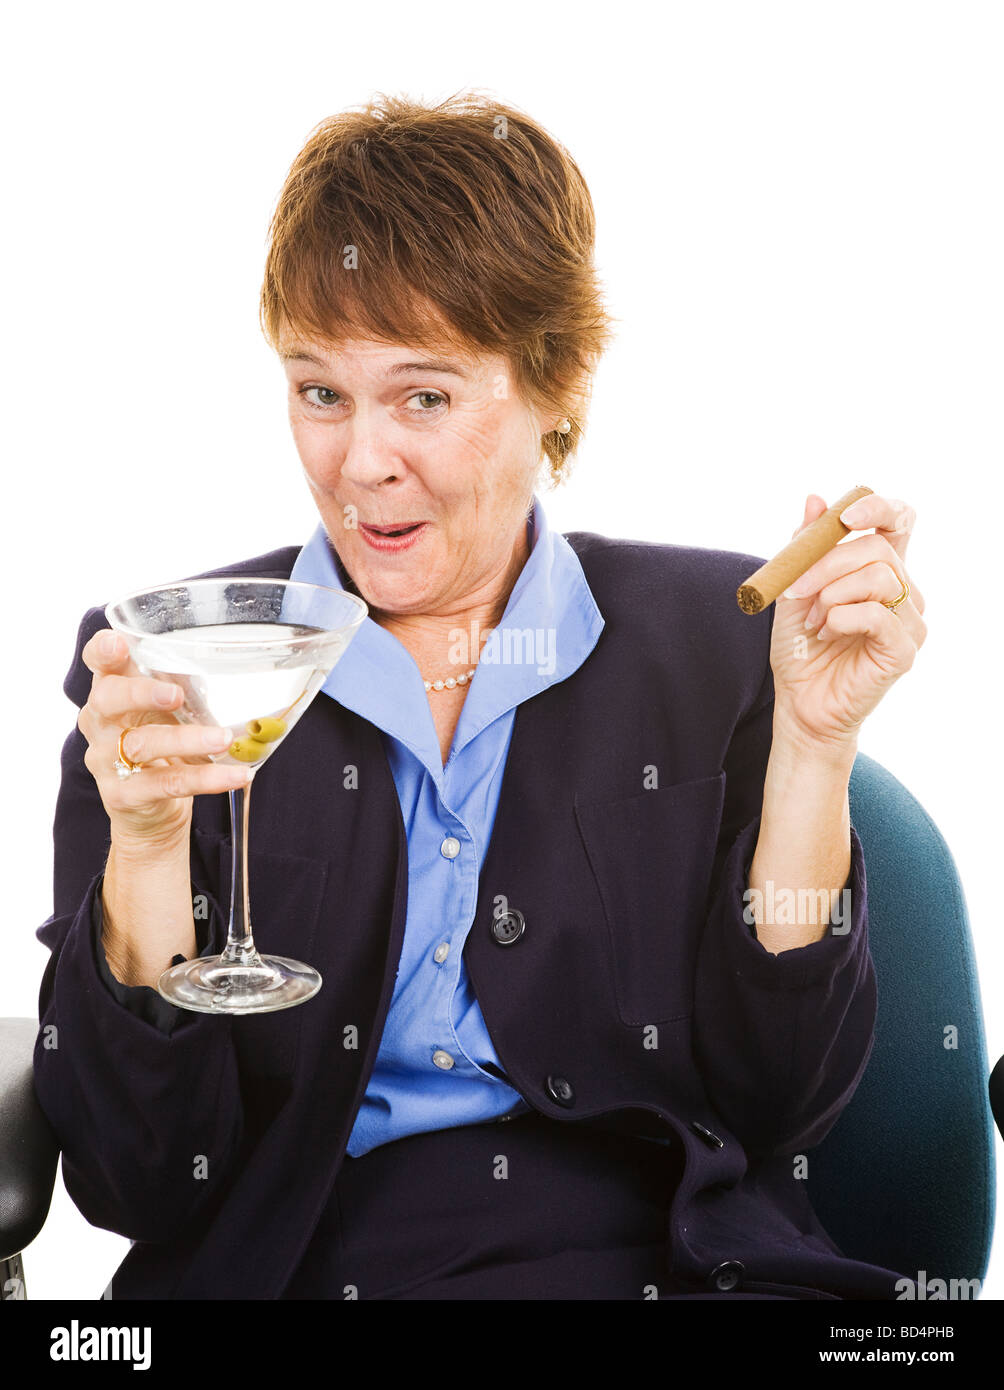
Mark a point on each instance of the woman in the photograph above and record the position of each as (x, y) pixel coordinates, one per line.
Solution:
(555, 1056)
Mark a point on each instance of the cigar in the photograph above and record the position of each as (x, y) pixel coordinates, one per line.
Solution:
(800, 554)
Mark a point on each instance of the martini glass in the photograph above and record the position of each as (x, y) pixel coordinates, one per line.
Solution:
(250, 655)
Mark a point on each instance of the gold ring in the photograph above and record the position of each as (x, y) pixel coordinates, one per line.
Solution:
(893, 604)
(124, 766)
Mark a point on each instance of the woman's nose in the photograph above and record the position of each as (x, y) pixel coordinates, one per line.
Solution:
(369, 454)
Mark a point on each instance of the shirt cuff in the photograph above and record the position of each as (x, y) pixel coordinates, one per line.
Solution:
(143, 1001)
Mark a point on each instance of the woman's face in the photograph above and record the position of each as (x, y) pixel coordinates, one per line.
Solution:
(390, 436)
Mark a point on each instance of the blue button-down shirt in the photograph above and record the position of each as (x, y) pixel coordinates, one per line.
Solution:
(430, 1071)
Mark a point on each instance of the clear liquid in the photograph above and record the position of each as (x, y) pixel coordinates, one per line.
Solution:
(231, 678)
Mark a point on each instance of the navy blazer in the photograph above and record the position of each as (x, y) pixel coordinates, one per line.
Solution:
(636, 994)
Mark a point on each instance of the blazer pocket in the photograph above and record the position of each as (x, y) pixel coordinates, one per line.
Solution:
(286, 893)
(652, 857)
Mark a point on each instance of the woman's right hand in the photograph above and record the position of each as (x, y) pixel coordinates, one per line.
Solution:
(154, 806)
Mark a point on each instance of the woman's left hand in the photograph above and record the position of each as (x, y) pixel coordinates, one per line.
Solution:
(829, 676)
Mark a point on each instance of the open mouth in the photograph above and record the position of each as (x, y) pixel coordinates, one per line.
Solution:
(400, 536)
(404, 530)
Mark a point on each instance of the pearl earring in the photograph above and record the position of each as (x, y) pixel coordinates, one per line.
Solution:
(564, 426)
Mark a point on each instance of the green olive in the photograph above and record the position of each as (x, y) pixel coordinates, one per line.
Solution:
(267, 730)
(247, 750)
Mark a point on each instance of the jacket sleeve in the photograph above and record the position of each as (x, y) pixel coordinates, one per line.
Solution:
(781, 1041)
(143, 1098)
(141, 1000)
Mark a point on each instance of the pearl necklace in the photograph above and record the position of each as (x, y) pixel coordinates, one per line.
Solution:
(451, 682)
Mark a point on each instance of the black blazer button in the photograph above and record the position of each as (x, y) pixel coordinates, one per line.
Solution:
(508, 927)
(709, 1137)
(727, 1276)
(561, 1091)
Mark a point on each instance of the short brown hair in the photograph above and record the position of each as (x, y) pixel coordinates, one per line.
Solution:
(467, 209)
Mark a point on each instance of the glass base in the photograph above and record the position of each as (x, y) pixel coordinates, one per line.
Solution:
(221, 986)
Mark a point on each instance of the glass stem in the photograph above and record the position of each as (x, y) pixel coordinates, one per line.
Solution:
(240, 948)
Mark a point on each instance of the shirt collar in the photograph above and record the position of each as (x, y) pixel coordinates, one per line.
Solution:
(550, 625)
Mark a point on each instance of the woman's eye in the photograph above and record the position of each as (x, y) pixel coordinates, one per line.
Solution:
(430, 400)
(325, 392)
(323, 398)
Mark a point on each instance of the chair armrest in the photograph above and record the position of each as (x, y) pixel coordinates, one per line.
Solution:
(997, 1094)
(29, 1151)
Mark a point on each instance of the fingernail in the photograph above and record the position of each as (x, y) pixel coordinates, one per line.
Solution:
(855, 512)
(797, 590)
(218, 738)
(166, 695)
(108, 644)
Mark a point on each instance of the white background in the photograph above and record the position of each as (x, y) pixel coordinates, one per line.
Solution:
(800, 225)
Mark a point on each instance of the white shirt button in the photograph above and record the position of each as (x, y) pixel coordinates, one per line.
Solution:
(450, 847)
(441, 952)
(442, 1059)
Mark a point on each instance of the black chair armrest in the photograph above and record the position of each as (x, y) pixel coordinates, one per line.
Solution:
(29, 1151)
(997, 1094)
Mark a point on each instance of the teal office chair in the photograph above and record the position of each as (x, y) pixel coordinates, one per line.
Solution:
(905, 1178)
